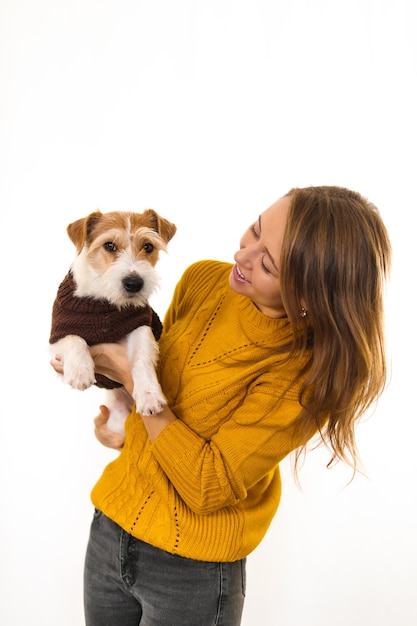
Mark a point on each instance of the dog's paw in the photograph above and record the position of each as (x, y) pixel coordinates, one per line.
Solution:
(149, 403)
(80, 376)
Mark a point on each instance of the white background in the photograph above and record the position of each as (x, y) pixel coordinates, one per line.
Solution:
(207, 111)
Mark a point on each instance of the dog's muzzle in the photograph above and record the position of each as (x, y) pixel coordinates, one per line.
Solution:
(133, 283)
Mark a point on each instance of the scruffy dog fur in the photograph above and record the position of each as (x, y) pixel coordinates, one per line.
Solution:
(105, 298)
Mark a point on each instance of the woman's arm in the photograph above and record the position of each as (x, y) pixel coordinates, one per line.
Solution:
(209, 474)
(106, 436)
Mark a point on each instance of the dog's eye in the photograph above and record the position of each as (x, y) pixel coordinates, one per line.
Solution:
(109, 246)
(148, 247)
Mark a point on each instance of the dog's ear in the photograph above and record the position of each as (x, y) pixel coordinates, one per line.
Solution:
(162, 226)
(79, 231)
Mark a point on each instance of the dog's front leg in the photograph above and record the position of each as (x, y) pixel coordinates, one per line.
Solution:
(76, 361)
(143, 355)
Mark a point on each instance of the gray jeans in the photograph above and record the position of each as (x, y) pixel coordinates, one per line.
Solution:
(128, 582)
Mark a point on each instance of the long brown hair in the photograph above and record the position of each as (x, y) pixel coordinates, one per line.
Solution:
(335, 258)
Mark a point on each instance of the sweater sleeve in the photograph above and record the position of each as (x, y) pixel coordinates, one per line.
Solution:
(188, 292)
(212, 474)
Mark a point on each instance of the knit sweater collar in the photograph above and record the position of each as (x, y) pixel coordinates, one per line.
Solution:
(257, 326)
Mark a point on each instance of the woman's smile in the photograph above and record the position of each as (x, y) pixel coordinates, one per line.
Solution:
(238, 274)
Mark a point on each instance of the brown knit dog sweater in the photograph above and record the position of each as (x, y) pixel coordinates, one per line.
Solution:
(97, 321)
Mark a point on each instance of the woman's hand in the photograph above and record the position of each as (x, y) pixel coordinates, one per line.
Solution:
(57, 364)
(103, 434)
(110, 359)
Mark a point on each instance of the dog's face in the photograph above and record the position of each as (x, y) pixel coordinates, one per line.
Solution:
(117, 253)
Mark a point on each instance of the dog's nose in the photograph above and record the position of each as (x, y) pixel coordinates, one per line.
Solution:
(133, 284)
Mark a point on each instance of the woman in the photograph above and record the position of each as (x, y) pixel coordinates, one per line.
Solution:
(255, 359)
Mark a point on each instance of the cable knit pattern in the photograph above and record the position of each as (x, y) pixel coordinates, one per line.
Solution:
(209, 485)
(97, 321)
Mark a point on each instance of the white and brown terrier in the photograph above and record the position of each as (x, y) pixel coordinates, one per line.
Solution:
(105, 299)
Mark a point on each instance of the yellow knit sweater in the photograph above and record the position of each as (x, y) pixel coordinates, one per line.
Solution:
(209, 485)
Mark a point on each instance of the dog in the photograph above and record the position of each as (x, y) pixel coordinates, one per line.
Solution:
(104, 298)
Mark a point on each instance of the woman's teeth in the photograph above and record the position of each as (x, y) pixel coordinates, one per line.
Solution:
(240, 273)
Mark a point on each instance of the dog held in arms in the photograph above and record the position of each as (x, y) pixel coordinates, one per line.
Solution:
(105, 299)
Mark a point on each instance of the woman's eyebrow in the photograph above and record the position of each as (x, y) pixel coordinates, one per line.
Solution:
(271, 258)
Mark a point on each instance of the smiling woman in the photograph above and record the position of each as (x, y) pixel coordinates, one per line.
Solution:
(247, 381)
(207, 111)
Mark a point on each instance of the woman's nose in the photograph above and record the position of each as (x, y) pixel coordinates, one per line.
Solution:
(244, 256)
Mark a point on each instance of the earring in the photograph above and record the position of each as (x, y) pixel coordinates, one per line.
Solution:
(303, 312)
